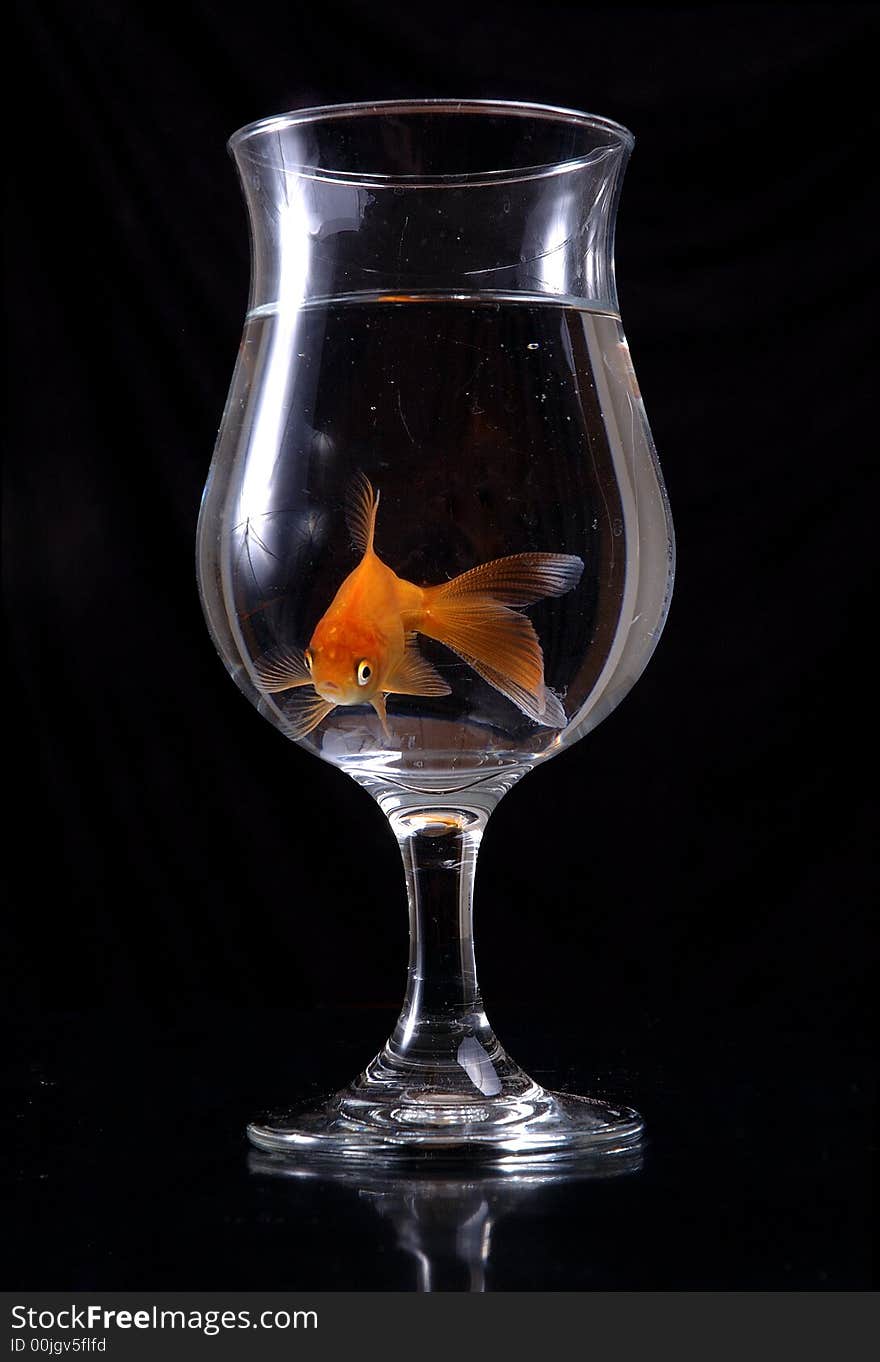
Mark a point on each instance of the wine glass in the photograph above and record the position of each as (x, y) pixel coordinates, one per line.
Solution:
(434, 547)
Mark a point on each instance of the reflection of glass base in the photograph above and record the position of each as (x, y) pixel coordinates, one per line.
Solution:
(445, 1218)
(535, 1126)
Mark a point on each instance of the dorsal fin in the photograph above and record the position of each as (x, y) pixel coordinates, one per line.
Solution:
(361, 505)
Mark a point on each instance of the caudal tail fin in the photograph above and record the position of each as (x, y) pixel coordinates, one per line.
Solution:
(475, 615)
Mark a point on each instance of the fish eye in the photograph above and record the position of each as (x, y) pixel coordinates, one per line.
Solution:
(364, 672)
(307, 657)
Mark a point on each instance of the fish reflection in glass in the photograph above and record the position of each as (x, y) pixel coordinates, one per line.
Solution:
(365, 646)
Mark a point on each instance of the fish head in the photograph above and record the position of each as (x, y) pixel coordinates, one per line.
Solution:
(345, 663)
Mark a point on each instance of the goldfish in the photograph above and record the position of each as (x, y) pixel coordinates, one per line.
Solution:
(365, 646)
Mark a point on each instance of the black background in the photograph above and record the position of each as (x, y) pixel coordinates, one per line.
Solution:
(205, 920)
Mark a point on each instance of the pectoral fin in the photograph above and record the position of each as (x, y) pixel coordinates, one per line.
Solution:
(414, 674)
(278, 671)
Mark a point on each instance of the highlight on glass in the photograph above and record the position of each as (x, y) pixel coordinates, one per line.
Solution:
(434, 547)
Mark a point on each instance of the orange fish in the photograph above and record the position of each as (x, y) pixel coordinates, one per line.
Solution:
(365, 646)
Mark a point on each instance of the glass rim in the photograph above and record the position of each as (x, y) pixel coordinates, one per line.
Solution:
(511, 108)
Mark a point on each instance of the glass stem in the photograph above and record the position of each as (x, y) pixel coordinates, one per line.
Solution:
(443, 1026)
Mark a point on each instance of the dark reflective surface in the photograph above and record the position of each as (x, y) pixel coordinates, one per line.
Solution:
(443, 1221)
(131, 1169)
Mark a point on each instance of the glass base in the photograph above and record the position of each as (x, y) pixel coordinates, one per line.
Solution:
(535, 1127)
